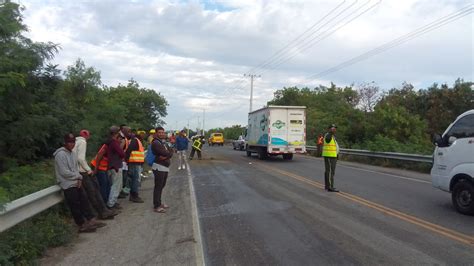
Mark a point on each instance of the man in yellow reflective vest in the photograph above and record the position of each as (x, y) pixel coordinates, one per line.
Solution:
(135, 157)
(330, 153)
(198, 141)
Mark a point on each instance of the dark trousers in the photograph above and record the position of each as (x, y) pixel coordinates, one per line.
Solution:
(193, 150)
(78, 203)
(92, 188)
(125, 179)
(329, 170)
(134, 171)
(319, 150)
(104, 183)
(160, 182)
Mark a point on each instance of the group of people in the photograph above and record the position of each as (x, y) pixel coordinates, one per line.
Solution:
(92, 192)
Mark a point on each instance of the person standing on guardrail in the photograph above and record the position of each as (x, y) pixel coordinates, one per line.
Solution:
(89, 181)
(70, 180)
(160, 167)
(182, 146)
(330, 153)
(115, 156)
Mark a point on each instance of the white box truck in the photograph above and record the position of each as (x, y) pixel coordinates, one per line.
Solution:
(276, 130)
(453, 162)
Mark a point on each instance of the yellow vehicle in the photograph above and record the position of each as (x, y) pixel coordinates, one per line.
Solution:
(216, 139)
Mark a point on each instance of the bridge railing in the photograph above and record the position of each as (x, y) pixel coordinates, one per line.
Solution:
(28, 206)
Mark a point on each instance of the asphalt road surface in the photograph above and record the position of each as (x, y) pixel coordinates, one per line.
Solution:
(276, 212)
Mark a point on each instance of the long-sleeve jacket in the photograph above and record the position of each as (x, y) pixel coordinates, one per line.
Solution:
(181, 143)
(80, 151)
(66, 168)
(115, 154)
(161, 152)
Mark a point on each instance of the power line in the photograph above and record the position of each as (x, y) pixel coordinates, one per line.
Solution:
(326, 33)
(305, 45)
(409, 36)
(282, 50)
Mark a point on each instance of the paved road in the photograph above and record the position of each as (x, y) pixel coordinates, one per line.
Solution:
(275, 212)
(139, 236)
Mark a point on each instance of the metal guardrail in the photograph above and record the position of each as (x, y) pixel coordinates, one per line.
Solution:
(28, 206)
(385, 155)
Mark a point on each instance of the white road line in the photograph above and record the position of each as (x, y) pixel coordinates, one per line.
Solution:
(397, 176)
(198, 248)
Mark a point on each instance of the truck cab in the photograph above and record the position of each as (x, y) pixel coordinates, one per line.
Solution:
(453, 162)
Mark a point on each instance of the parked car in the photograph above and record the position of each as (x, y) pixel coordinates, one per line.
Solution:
(216, 139)
(453, 162)
(239, 144)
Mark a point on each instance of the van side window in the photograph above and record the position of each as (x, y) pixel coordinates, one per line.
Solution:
(464, 128)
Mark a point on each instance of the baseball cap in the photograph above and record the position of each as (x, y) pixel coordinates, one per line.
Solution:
(69, 138)
(84, 133)
(114, 129)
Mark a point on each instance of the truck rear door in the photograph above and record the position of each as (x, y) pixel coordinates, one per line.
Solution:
(296, 130)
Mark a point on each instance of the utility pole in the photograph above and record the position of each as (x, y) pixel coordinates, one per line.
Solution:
(198, 125)
(252, 76)
(203, 119)
(187, 134)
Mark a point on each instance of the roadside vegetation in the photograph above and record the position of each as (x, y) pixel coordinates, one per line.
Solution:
(39, 103)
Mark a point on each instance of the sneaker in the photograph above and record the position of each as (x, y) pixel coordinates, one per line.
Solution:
(136, 199)
(116, 207)
(95, 224)
(107, 215)
(85, 228)
(179, 167)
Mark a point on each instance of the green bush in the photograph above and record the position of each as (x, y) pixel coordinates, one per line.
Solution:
(24, 243)
(27, 241)
(20, 181)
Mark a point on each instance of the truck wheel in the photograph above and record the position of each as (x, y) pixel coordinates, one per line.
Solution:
(262, 154)
(288, 156)
(463, 197)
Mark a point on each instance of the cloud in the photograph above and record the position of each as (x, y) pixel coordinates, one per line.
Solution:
(195, 53)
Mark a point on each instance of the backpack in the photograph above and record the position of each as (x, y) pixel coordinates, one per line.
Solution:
(150, 156)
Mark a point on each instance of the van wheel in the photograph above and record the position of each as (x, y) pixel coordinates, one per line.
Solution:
(463, 197)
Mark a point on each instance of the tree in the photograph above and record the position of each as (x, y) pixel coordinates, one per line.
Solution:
(368, 96)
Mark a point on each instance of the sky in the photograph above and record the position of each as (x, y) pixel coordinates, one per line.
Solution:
(195, 53)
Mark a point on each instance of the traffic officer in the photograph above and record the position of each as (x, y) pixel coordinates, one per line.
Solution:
(198, 141)
(330, 154)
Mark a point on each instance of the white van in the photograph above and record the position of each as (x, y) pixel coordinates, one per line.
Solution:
(453, 162)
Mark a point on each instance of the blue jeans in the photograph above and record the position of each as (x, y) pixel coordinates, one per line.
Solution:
(116, 178)
(105, 183)
(134, 171)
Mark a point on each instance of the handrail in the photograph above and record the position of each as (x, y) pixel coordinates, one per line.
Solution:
(28, 206)
(385, 155)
